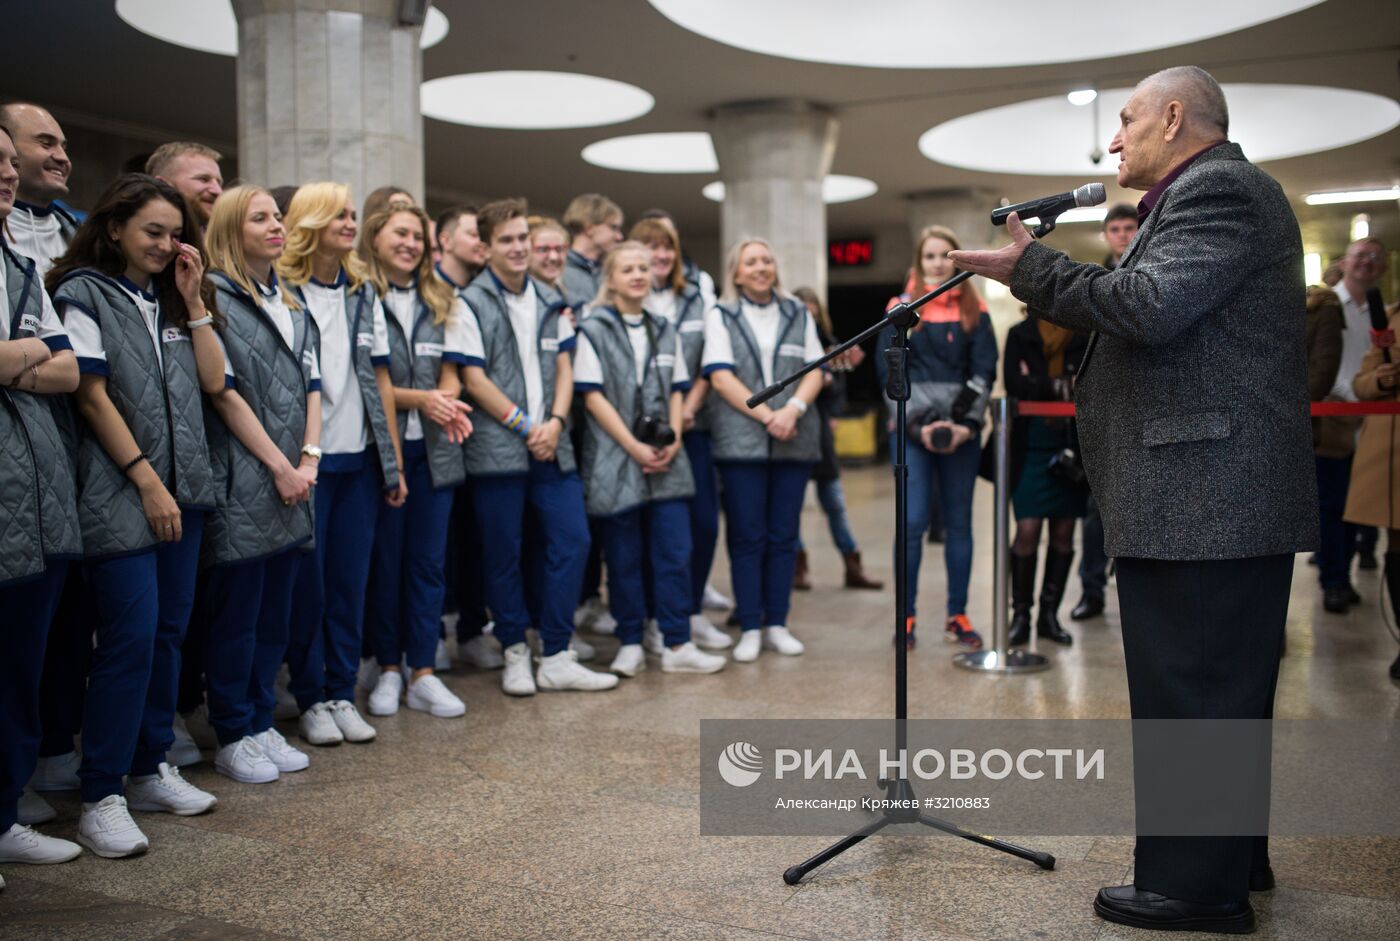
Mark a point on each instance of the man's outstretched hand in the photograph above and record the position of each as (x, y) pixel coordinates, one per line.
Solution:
(997, 264)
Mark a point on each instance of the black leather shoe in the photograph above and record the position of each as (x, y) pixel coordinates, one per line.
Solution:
(1261, 880)
(1090, 606)
(1129, 905)
(1335, 600)
(1352, 596)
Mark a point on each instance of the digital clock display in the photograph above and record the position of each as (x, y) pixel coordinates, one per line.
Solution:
(850, 253)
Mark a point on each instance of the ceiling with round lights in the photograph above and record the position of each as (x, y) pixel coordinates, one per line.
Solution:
(916, 34)
(210, 26)
(1052, 137)
(673, 152)
(836, 188)
(532, 100)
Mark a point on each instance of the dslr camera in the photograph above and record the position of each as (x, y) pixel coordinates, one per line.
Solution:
(653, 431)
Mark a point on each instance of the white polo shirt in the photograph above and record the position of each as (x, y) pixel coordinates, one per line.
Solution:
(343, 428)
(588, 368)
(524, 323)
(1356, 340)
(764, 321)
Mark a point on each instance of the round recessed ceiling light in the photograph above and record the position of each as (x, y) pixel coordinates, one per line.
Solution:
(210, 26)
(1051, 137)
(532, 100)
(679, 152)
(895, 33)
(836, 188)
(1082, 96)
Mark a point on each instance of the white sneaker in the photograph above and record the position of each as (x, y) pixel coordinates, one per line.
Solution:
(368, 673)
(286, 707)
(167, 792)
(651, 637)
(106, 828)
(714, 599)
(517, 680)
(442, 660)
(708, 636)
(317, 726)
(630, 660)
(746, 650)
(593, 615)
(183, 751)
(22, 845)
(583, 648)
(429, 694)
(286, 757)
(351, 724)
(482, 653)
(33, 809)
(562, 671)
(689, 658)
(384, 701)
(197, 724)
(781, 640)
(59, 773)
(245, 762)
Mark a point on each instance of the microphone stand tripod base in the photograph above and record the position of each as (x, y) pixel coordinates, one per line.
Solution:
(994, 661)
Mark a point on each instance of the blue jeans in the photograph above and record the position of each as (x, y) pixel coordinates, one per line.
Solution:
(67, 658)
(556, 501)
(1338, 538)
(403, 607)
(658, 533)
(954, 476)
(29, 608)
(763, 512)
(833, 503)
(704, 513)
(144, 603)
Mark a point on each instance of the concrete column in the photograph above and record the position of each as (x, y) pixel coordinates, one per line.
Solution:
(773, 157)
(328, 90)
(967, 211)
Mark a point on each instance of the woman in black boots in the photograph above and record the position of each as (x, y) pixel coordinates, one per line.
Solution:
(1041, 360)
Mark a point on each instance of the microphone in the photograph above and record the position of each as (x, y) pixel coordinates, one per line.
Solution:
(1381, 334)
(1048, 207)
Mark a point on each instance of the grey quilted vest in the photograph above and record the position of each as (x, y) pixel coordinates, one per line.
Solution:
(613, 482)
(737, 436)
(493, 448)
(414, 363)
(161, 405)
(579, 282)
(690, 321)
(359, 311)
(38, 486)
(251, 522)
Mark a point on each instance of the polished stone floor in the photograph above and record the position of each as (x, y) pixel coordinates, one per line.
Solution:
(575, 816)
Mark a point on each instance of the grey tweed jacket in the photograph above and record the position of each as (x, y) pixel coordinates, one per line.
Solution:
(1192, 396)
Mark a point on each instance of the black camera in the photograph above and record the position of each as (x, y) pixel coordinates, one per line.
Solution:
(654, 431)
(1065, 465)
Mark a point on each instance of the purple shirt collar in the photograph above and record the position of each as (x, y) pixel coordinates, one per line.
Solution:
(1154, 195)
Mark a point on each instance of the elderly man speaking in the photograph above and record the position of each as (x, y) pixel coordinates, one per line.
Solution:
(1193, 419)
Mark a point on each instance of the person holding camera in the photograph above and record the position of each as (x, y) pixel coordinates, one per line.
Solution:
(630, 371)
(1041, 360)
(952, 366)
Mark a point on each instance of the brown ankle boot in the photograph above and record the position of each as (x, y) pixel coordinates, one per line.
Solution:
(855, 573)
(800, 581)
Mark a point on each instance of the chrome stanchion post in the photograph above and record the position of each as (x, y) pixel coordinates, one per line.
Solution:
(999, 659)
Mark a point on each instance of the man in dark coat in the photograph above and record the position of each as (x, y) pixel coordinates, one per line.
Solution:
(1193, 420)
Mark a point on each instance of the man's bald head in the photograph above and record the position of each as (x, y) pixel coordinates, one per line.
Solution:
(1171, 115)
(43, 152)
(1197, 90)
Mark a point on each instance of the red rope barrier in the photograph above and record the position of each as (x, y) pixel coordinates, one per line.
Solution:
(1318, 409)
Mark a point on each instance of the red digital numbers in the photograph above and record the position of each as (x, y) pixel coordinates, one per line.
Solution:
(850, 253)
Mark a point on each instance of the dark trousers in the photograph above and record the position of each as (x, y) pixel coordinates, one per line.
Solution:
(1339, 538)
(647, 551)
(1093, 562)
(704, 514)
(28, 608)
(67, 658)
(145, 602)
(1202, 641)
(763, 514)
(466, 577)
(553, 500)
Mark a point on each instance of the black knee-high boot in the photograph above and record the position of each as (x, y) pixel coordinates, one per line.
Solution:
(1052, 591)
(1022, 596)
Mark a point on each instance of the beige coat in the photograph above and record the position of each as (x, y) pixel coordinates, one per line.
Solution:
(1374, 496)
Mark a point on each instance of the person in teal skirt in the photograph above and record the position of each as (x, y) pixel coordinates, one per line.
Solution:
(1041, 360)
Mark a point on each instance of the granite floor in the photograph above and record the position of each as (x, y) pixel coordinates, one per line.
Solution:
(576, 815)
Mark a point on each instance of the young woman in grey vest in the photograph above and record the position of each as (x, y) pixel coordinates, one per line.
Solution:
(359, 465)
(261, 374)
(130, 289)
(753, 337)
(424, 317)
(38, 501)
(631, 374)
(683, 307)
(519, 377)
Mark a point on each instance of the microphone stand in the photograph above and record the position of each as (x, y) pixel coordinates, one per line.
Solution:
(902, 318)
